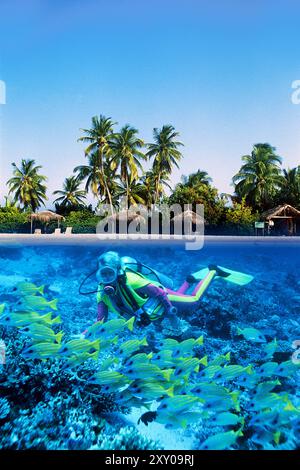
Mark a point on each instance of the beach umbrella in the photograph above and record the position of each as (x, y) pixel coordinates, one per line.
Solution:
(45, 217)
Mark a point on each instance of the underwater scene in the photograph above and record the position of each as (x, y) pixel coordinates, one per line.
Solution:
(207, 358)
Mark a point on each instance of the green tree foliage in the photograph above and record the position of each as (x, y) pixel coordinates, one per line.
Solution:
(82, 221)
(99, 138)
(151, 182)
(194, 190)
(27, 185)
(165, 153)
(94, 179)
(241, 216)
(13, 220)
(197, 178)
(127, 156)
(71, 195)
(133, 191)
(290, 190)
(259, 178)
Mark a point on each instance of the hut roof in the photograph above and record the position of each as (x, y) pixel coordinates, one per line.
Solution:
(45, 216)
(189, 215)
(280, 212)
(127, 215)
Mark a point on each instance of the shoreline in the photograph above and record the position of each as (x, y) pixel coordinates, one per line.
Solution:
(99, 239)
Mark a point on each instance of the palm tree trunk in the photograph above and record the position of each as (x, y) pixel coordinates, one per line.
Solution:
(105, 181)
(157, 187)
(109, 198)
(127, 193)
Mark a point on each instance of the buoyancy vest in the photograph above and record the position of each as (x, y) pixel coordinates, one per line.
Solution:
(126, 297)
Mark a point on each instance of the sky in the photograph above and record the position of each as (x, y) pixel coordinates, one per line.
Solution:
(219, 71)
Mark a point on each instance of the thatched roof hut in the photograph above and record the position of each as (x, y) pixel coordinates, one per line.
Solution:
(189, 219)
(284, 219)
(281, 212)
(45, 217)
(189, 216)
(124, 216)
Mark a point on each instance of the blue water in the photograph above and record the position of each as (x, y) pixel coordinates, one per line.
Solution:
(270, 303)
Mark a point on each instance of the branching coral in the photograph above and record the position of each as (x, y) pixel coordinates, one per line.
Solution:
(128, 438)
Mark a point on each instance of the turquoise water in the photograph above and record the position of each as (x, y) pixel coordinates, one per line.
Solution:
(45, 404)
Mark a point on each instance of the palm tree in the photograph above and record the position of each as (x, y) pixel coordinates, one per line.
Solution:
(99, 137)
(290, 191)
(27, 185)
(133, 190)
(92, 174)
(152, 183)
(165, 152)
(71, 195)
(196, 179)
(9, 203)
(148, 187)
(126, 156)
(259, 178)
(102, 183)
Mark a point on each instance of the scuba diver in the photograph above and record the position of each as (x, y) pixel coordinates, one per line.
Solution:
(129, 287)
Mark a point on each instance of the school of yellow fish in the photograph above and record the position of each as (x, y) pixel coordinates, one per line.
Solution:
(174, 380)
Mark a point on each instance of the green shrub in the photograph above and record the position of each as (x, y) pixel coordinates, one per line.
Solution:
(202, 194)
(240, 218)
(12, 220)
(82, 221)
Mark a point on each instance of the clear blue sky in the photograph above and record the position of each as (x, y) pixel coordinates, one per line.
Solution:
(219, 71)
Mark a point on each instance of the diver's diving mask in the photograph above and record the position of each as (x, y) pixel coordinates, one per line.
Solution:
(107, 275)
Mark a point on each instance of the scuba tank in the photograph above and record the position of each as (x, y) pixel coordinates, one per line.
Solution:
(138, 267)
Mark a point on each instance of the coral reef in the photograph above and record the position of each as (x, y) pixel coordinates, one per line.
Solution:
(127, 438)
(4, 410)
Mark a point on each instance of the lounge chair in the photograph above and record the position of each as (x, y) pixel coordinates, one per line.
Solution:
(37, 231)
(57, 231)
(68, 231)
